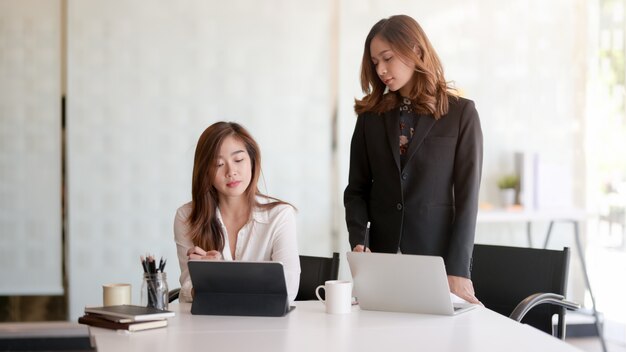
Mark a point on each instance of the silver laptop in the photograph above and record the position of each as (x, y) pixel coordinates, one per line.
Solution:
(403, 283)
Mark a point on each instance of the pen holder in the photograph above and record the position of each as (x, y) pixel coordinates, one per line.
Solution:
(154, 291)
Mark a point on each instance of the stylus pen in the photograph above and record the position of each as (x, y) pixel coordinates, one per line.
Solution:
(366, 241)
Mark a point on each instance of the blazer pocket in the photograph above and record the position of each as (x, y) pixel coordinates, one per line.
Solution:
(441, 140)
(440, 218)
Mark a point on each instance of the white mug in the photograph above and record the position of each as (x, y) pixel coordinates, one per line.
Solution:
(338, 296)
(115, 294)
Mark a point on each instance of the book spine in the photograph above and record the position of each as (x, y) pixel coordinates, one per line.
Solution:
(100, 323)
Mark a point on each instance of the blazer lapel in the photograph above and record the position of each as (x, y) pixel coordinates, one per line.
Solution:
(392, 125)
(424, 124)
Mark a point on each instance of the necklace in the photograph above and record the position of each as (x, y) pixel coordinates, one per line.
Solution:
(406, 105)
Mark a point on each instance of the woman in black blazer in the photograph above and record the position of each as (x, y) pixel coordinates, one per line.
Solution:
(416, 155)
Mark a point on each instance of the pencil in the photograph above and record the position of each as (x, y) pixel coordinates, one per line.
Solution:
(366, 241)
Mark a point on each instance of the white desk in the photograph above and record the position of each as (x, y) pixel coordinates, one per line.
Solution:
(309, 328)
(572, 216)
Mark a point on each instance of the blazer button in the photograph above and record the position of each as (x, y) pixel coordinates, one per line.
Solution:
(399, 206)
(404, 176)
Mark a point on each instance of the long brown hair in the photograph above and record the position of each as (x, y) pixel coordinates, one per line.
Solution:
(205, 229)
(430, 91)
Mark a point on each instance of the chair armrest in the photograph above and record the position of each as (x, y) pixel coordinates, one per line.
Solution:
(540, 298)
(173, 294)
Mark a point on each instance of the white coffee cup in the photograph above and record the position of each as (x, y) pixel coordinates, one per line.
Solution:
(338, 296)
(115, 294)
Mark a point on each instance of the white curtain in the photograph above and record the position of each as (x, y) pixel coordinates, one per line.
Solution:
(30, 148)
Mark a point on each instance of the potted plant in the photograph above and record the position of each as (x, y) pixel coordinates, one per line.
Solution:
(508, 185)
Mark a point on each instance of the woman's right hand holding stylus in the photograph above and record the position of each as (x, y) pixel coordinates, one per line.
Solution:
(199, 253)
(359, 248)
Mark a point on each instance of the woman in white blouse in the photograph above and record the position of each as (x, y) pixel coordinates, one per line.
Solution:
(228, 218)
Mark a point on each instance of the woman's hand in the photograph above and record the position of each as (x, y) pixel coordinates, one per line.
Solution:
(463, 288)
(359, 248)
(199, 253)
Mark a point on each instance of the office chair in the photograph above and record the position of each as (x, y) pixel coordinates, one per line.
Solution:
(314, 271)
(516, 282)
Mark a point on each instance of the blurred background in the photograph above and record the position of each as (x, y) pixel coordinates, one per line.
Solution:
(102, 103)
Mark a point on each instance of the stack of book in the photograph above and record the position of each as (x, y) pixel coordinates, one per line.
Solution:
(126, 317)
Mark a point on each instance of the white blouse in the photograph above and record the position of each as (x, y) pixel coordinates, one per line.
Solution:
(269, 236)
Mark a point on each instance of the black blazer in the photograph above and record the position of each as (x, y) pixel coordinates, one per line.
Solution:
(427, 207)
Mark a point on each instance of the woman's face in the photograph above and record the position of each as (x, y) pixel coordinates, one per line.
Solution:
(390, 67)
(234, 169)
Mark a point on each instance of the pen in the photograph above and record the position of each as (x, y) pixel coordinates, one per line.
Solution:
(367, 237)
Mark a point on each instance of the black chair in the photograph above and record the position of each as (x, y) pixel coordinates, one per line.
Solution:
(314, 271)
(513, 280)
